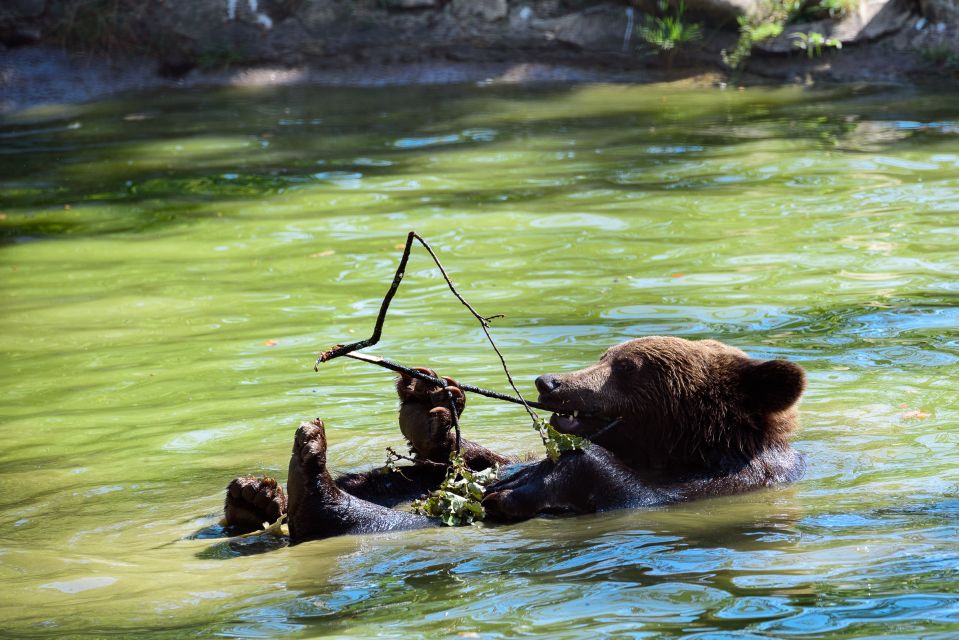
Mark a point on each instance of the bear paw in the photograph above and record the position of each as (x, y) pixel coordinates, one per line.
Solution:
(309, 448)
(308, 475)
(412, 389)
(252, 501)
(518, 496)
(426, 418)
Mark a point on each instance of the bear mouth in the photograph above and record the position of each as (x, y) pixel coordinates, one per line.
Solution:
(576, 425)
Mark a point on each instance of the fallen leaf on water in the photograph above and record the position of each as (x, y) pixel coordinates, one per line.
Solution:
(270, 343)
(903, 406)
(678, 274)
(323, 254)
(918, 414)
(399, 246)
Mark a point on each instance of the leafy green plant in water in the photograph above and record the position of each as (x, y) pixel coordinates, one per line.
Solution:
(668, 33)
(812, 43)
(458, 500)
(558, 443)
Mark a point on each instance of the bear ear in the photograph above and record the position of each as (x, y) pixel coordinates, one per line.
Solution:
(773, 385)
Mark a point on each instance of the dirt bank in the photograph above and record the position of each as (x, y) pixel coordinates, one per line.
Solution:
(52, 55)
(45, 75)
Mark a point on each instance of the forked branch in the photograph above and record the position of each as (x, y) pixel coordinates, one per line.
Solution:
(342, 350)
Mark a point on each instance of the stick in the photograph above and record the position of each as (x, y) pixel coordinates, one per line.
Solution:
(455, 419)
(341, 350)
(413, 373)
(391, 453)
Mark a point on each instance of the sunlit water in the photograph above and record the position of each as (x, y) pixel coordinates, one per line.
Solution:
(172, 263)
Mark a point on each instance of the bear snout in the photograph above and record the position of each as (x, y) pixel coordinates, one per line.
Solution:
(547, 383)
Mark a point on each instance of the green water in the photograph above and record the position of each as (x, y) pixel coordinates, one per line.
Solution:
(172, 263)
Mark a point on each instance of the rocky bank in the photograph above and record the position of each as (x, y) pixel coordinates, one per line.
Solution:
(82, 49)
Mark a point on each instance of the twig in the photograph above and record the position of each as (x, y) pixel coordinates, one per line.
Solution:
(413, 373)
(455, 418)
(391, 453)
(341, 350)
(484, 325)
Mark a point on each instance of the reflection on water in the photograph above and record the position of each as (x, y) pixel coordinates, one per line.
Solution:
(171, 264)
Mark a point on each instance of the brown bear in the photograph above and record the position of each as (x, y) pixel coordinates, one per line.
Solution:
(668, 420)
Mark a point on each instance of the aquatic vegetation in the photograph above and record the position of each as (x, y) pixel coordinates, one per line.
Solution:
(458, 500)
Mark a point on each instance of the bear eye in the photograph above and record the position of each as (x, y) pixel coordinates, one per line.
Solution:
(622, 367)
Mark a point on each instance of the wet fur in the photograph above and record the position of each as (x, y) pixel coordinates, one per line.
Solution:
(691, 420)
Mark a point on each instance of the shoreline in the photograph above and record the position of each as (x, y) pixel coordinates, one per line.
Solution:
(66, 52)
(40, 75)
(43, 75)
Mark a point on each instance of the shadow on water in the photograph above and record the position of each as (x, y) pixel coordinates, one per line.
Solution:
(239, 547)
(227, 545)
(188, 153)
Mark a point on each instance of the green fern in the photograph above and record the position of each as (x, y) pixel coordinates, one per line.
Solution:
(668, 33)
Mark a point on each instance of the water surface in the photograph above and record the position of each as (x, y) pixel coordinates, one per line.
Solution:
(171, 264)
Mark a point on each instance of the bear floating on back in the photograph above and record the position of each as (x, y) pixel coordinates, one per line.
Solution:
(669, 420)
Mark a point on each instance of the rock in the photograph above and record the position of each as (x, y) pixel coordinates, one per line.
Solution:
(19, 21)
(597, 28)
(24, 8)
(940, 10)
(411, 4)
(937, 42)
(489, 10)
(870, 20)
(724, 11)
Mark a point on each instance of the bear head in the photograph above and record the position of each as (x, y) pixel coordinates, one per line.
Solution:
(677, 405)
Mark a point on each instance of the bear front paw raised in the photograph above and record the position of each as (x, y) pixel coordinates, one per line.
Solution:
(426, 417)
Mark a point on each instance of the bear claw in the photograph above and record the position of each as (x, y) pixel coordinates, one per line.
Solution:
(410, 388)
(251, 501)
(309, 444)
(426, 415)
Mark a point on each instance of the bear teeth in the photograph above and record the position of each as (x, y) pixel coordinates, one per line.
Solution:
(576, 413)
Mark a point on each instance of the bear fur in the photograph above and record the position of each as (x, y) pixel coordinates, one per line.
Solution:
(668, 420)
